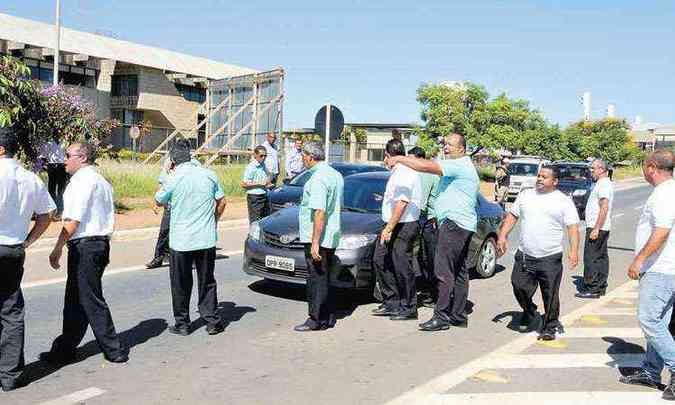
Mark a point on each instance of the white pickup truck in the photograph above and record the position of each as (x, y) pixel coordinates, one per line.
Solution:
(523, 174)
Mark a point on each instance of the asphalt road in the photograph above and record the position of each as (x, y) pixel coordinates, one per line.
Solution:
(363, 360)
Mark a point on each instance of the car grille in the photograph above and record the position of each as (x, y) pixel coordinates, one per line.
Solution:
(260, 267)
(274, 240)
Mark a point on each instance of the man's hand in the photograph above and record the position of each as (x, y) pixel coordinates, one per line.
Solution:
(595, 233)
(634, 269)
(155, 209)
(55, 258)
(385, 236)
(269, 184)
(315, 252)
(573, 257)
(391, 161)
(502, 246)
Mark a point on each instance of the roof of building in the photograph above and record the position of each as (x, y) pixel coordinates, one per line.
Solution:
(77, 42)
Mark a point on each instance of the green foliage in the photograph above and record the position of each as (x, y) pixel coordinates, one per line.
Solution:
(360, 134)
(608, 139)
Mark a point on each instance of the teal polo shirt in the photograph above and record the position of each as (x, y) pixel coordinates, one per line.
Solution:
(458, 193)
(323, 191)
(256, 173)
(192, 191)
(429, 187)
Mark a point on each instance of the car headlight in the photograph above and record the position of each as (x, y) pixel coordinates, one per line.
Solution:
(355, 241)
(579, 193)
(254, 232)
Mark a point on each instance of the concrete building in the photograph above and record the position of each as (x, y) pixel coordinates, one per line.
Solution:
(649, 136)
(126, 81)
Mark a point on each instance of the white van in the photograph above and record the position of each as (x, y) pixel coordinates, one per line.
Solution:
(523, 174)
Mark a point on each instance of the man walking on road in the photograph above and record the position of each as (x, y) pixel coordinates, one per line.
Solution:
(197, 201)
(22, 195)
(272, 161)
(162, 245)
(598, 224)
(256, 182)
(54, 158)
(457, 220)
(319, 220)
(392, 259)
(654, 266)
(88, 221)
(545, 213)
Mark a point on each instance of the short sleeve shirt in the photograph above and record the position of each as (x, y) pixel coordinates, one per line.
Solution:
(294, 164)
(429, 186)
(323, 191)
(88, 199)
(543, 220)
(272, 160)
(256, 173)
(403, 185)
(458, 193)
(603, 188)
(22, 194)
(192, 192)
(658, 212)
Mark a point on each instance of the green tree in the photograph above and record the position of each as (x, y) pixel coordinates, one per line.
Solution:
(608, 138)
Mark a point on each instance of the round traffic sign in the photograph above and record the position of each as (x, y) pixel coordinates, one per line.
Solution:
(336, 124)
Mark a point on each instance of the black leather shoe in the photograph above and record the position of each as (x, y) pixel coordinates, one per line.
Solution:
(587, 294)
(122, 358)
(179, 330)
(308, 326)
(57, 359)
(155, 263)
(641, 377)
(404, 316)
(460, 324)
(549, 333)
(384, 310)
(16, 384)
(669, 391)
(434, 324)
(215, 329)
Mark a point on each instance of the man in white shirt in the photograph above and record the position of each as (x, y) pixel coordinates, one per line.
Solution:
(88, 220)
(294, 165)
(545, 214)
(654, 266)
(272, 160)
(22, 194)
(53, 156)
(598, 224)
(392, 259)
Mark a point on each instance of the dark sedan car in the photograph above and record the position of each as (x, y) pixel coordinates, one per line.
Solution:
(290, 193)
(273, 250)
(576, 181)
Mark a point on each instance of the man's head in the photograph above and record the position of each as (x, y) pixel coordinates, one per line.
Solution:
(79, 155)
(393, 148)
(271, 138)
(658, 167)
(9, 142)
(418, 152)
(259, 154)
(599, 169)
(298, 145)
(547, 179)
(312, 153)
(455, 145)
(180, 152)
(396, 134)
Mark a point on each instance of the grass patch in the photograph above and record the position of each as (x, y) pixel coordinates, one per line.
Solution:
(627, 172)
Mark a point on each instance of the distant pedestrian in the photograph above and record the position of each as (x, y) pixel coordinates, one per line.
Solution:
(197, 201)
(457, 218)
(88, 221)
(396, 134)
(54, 157)
(545, 214)
(162, 246)
(272, 161)
(393, 256)
(257, 182)
(502, 183)
(654, 266)
(22, 195)
(598, 224)
(294, 165)
(319, 219)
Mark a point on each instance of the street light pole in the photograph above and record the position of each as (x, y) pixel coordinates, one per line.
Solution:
(58, 43)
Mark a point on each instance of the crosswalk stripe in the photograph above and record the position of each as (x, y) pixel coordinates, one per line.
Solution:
(548, 398)
(615, 311)
(78, 397)
(628, 295)
(565, 360)
(629, 333)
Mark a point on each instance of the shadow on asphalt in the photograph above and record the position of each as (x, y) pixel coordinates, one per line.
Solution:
(620, 346)
(623, 249)
(135, 336)
(514, 321)
(229, 312)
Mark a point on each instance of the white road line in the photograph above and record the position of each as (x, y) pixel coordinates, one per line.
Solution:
(629, 295)
(618, 215)
(627, 333)
(639, 207)
(615, 311)
(106, 273)
(566, 360)
(76, 397)
(548, 398)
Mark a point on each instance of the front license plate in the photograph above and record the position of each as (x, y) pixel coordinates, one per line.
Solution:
(280, 263)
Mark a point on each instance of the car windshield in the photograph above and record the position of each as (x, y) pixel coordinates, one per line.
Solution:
(344, 170)
(300, 179)
(523, 169)
(364, 194)
(573, 172)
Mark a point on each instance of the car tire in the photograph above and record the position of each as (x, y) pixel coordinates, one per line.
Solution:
(487, 259)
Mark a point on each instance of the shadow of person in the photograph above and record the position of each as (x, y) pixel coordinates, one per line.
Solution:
(289, 291)
(135, 336)
(515, 320)
(229, 312)
(620, 346)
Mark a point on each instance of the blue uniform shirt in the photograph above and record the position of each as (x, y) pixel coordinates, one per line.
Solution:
(458, 193)
(256, 173)
(323, 191)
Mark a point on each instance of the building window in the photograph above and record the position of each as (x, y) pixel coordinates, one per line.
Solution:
(124, 86)
(192, 93)
(376, 155)
(68, 74)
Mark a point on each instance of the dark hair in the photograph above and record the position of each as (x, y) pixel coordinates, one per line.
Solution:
(662, 159)
(259, 149)
(417, 152)
(9, 141)
(461, 138)
(395, 148)
(180, 151)
(554, 169)
(89, 151)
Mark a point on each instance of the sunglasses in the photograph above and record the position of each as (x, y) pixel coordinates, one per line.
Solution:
(69, 155)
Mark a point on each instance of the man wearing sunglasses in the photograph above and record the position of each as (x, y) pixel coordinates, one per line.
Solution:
(256, 182)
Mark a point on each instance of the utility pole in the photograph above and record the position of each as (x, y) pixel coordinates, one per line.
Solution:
(58, 43)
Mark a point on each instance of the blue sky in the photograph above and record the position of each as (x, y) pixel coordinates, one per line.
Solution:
(369, 57)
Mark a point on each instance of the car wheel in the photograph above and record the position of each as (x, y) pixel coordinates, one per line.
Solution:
(487, 259)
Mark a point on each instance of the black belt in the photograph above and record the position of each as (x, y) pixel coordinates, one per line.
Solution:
(75, 242)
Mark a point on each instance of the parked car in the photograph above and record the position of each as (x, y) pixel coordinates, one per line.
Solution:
(273, 251)
(576, 181)
(290, 193)
(523, 173)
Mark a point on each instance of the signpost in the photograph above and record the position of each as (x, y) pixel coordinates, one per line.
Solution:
(134, 133)
(329, 121)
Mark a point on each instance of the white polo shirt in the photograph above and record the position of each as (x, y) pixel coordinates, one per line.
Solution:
(272, 159)
(603, 188)
(658, 212)
(544, 218)
(89, 199)
(404, 185)
(22, 194)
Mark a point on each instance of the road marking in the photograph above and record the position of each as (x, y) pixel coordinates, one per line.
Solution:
(629, 294)
(548, 398)
(593, 320)
(618, 215)
(628, 333)
(639, 207)
(76, 397)
(107, 272)
(566, 360)
(616, 311)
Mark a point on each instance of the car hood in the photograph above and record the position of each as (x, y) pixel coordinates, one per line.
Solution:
(568, 186)
(286, 194)
(285, 222)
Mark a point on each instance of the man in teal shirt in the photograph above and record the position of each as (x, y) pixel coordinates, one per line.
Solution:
(455, 210)
(197, 201)
(256, 182)
(319, 219)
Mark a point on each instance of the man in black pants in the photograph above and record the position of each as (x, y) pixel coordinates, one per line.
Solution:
(545, 214)
(162, 245)
(89, 216)
(197, 201)
(256, 182)
(53, 157)
(598, 223)
(455, 209)
(22, 195)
